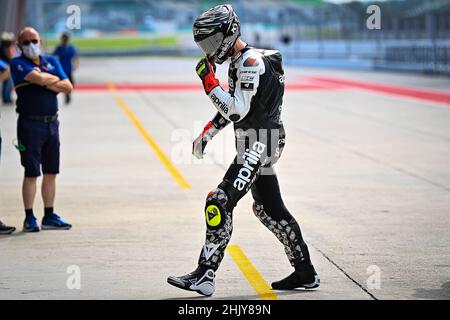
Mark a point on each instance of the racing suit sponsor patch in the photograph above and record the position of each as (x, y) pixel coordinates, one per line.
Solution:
(222, 105)
(251, 160)
(212, 214)
(251, 62)
(247, 86)
(247, 78)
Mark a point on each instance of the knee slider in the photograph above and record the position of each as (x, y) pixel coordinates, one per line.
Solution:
(216, 208)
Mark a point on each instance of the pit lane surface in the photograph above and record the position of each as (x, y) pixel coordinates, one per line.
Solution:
(366, 173)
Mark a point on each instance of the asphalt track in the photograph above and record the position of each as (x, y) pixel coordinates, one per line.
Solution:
(366, 171)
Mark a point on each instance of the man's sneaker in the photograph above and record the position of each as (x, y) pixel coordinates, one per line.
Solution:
(54, 222)
(301, 278)
(30, 224)
(4, 229)
(201, 281)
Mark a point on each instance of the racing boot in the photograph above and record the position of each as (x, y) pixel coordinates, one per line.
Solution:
(304, 276)
(201, 281)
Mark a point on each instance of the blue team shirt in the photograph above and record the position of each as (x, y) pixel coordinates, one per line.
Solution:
(66, 55)
(3, 66)
(31, 98)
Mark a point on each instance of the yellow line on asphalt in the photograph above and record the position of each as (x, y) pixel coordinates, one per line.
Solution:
(148, 138)
(250, 272)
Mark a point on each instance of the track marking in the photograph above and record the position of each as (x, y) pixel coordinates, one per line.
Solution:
(148, 138)
(373, 159)
(343, 271)
(429, 95)
(194, 87)
(256, 280)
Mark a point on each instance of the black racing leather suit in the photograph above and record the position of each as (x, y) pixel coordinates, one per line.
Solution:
(254, 104)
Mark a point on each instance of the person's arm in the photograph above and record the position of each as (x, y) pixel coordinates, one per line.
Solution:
(23, 72)
(42, 79)
(62, 86)
(75, 63)
(49, 81)
(5, 71)
(233, 107)
(75, 59)
(5, 74)
(212, 128)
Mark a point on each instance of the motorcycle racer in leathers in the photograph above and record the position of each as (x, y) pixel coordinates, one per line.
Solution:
(253, 104)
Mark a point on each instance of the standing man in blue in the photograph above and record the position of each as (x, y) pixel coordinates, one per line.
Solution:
(38, 79)
(4, 74)
(68, 56)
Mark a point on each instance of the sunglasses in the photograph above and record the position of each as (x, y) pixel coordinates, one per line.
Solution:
(27, 42)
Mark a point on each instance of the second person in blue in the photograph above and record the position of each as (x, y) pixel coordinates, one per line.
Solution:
(38, 79)
(68, 56)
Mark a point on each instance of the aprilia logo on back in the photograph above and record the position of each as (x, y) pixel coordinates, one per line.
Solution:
(222, 105)
(251, 160)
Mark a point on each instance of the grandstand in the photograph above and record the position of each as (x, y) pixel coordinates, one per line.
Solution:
(414, 35)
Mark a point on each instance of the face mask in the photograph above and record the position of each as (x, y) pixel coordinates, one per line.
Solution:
(32, 51)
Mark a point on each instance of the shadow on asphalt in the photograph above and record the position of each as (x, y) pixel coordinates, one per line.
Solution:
(246, 297)
(16, 234)
(443, 293)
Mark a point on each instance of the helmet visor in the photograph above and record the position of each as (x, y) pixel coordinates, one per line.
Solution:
(210, 45)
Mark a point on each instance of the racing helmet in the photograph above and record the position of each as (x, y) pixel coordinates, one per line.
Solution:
(216, 32)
